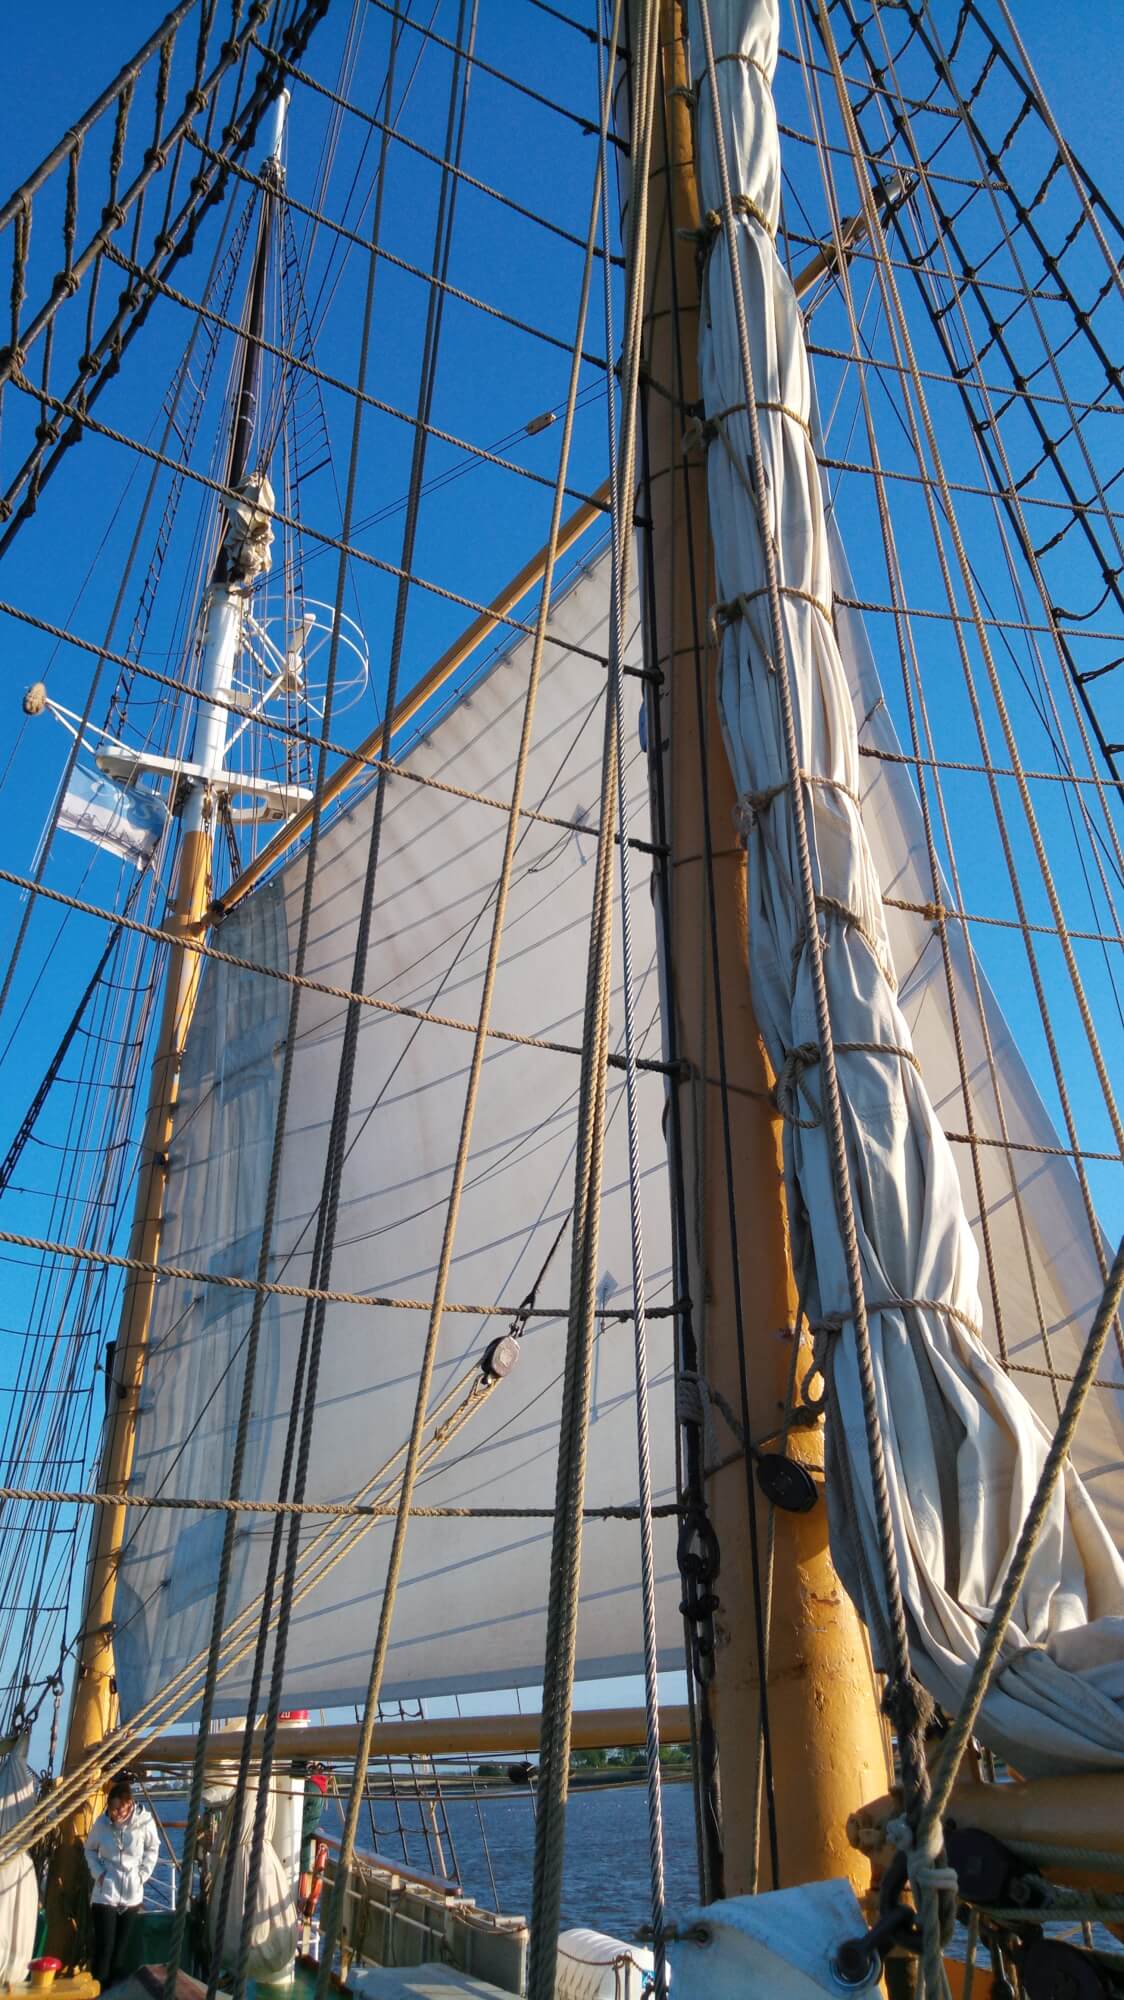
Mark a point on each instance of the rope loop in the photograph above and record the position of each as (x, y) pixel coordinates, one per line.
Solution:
(699, 433)
(748, 807)
(789, 1086)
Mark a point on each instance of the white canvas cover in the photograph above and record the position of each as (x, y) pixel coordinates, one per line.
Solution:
(471, 1606)
(963, 1446)
(19, 1890)
(273, 1933)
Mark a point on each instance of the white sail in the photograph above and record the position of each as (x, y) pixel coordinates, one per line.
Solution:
(19, 1888)
(471, 1608)
(272, 1942)
(963, 1448)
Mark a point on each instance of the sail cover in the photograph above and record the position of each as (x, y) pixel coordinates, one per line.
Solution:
(470, 1612)
(963, 1447)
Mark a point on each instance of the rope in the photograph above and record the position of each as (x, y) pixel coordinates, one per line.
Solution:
(302, 364)
(624, 476)
(920, 425)
(80, 416)
(337, 1143)
(348, 993)
(245, 1413)
(115, 212)
(394, 1564)
(273, 1288)
(346, 1510)
(77, 132)
(305, 737)
(565, 1556)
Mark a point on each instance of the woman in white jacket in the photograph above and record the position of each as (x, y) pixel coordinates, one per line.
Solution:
(121, 1852)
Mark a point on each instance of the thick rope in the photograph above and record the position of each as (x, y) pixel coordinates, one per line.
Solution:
(315, 1314)
(245, 1413)
(620, 553)
(354, 995)
(565, 1561)
(345, 1510)
(337, 1907)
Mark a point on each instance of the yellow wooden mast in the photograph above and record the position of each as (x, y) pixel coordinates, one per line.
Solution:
(829, 1741)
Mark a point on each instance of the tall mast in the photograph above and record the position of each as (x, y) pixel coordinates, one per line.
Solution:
(828, 1741)
(239, 560)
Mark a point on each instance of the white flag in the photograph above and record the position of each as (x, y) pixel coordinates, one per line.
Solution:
(126, 822)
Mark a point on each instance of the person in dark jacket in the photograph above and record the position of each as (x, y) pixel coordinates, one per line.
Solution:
(121, 1851)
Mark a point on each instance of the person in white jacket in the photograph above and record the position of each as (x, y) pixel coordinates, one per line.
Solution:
(121, 1851)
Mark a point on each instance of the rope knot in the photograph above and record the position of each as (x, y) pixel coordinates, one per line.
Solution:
(909, 1707)
(748, 807)
(789, 1086)
(156, 156)
(698, 433)
(65, 284)
(113, 216)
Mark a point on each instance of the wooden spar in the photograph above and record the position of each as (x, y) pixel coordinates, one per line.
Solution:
(828, 1739)
(358, 763)
(433, 1736)
(92, 1713)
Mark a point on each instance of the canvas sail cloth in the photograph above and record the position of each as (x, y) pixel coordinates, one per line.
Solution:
(1058, 1701)
(272, 1942)
(471, 1605)
(19, 1890)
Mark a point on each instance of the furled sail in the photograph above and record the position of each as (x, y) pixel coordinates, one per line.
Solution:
(273, 1920)
(471, 1606)
(963, 1446)
(19, 1888)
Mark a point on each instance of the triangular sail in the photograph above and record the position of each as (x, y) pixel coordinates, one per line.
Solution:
(470, 1611)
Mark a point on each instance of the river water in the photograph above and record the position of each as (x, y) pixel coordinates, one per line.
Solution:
(607, 1876)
